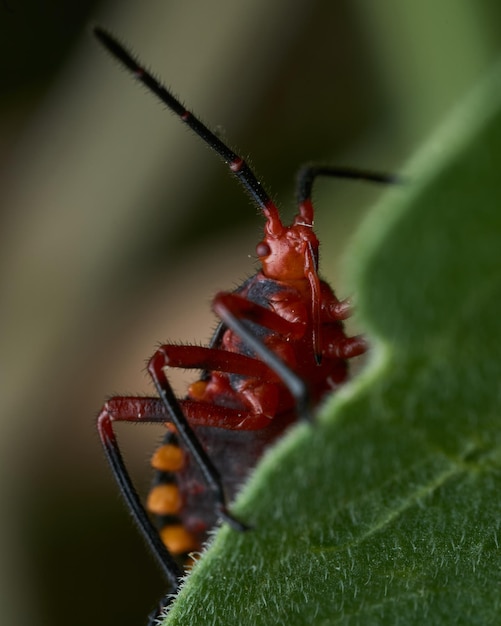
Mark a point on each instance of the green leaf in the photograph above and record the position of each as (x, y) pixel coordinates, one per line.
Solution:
(388, 510)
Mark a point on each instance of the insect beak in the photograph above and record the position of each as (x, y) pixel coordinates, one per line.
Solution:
(311, 271)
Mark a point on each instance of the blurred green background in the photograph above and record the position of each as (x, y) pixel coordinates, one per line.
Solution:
(117, 226)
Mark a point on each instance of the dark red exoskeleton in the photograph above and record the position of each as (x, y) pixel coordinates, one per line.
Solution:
(279, 349)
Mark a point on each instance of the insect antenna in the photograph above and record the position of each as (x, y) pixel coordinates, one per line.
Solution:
(235, 163)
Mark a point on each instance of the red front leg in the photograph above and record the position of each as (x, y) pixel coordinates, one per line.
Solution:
(209, 399)
(225, 304)
(235, 311)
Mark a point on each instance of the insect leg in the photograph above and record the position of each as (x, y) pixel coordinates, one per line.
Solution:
(349, 347)
(213, 359)
(308, 173)
(199, 407)
(156, 367)
(229, 308)
(147, 410)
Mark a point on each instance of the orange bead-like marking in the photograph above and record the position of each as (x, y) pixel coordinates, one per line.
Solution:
(196, 390)
(164, 500)
(178, 540)
(168, 458)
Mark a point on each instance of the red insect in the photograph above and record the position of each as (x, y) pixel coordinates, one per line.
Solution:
(279, 348)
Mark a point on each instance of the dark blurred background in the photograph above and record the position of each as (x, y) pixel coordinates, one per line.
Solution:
(117, 226)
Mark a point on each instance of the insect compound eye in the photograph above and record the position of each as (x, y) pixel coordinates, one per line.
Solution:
(263, 249)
